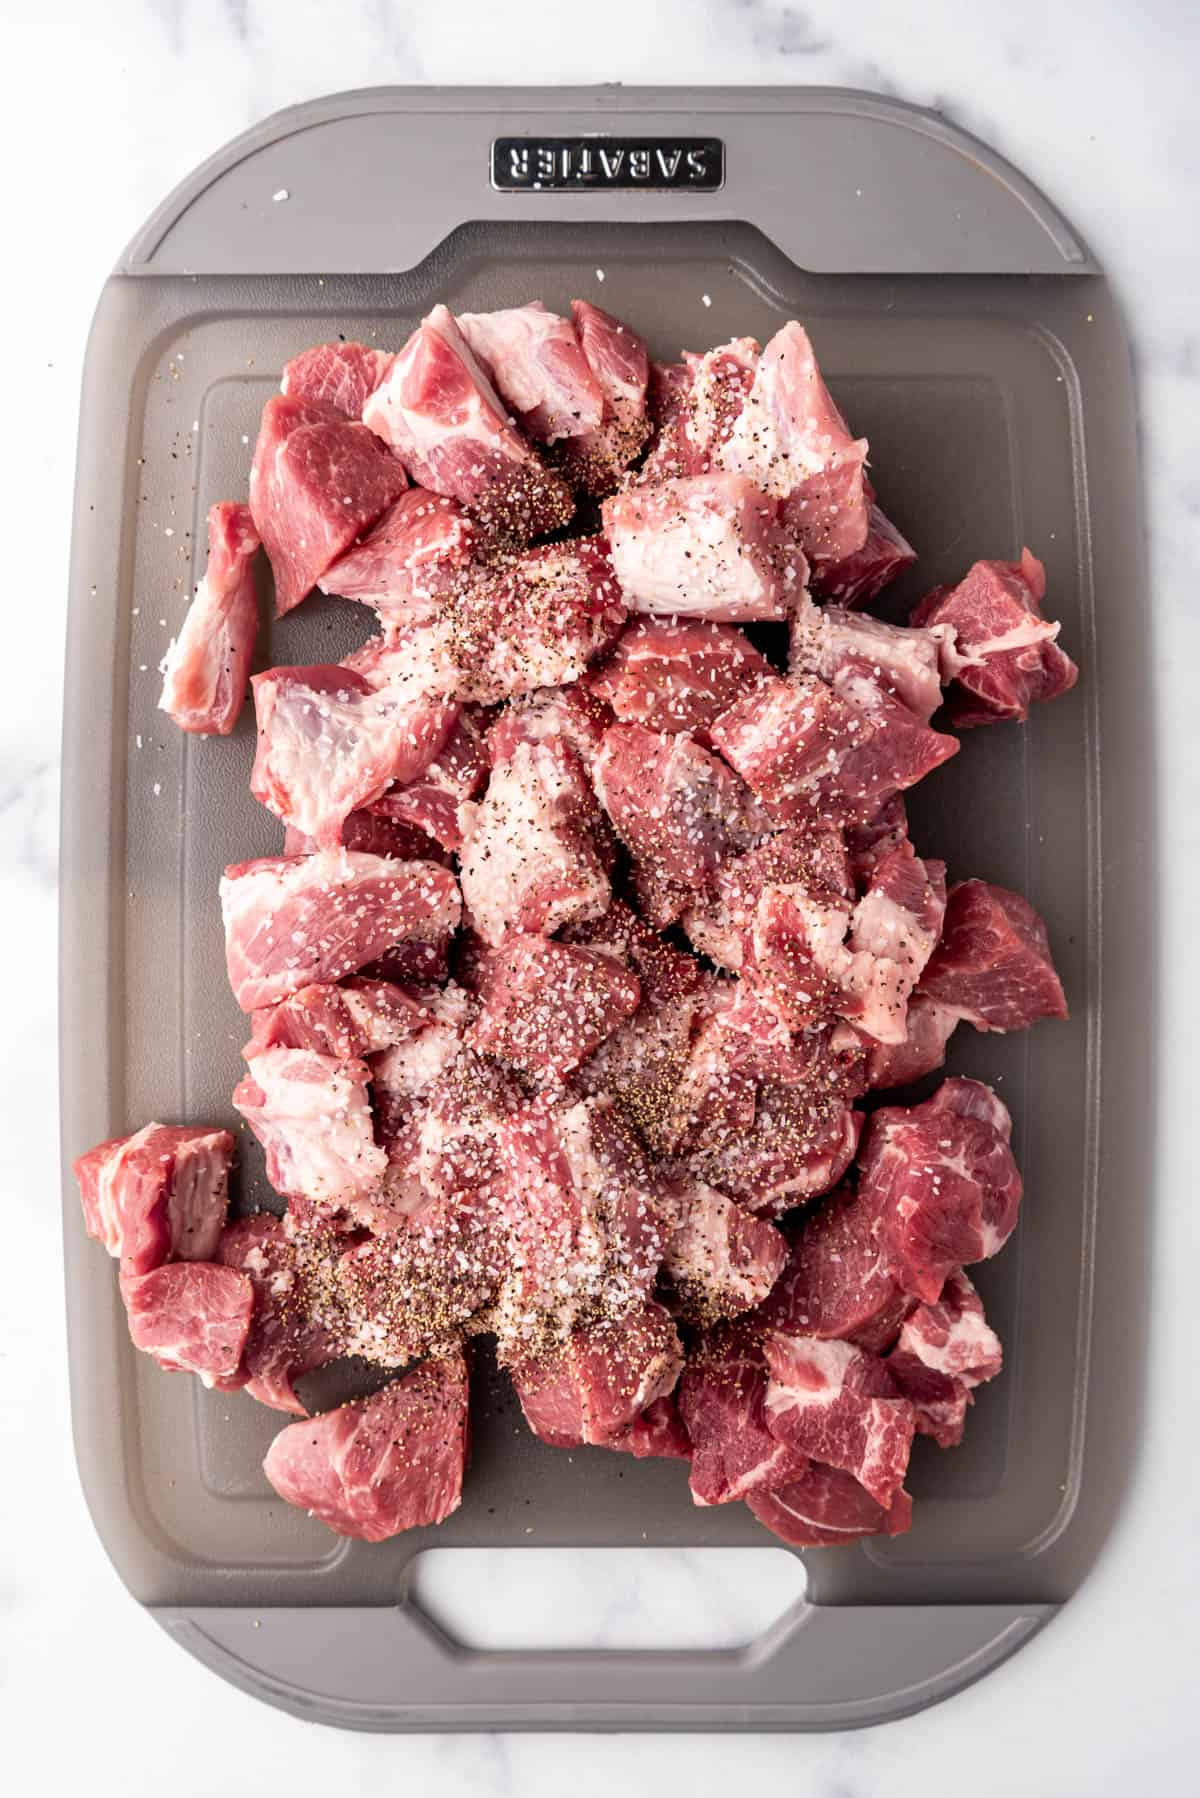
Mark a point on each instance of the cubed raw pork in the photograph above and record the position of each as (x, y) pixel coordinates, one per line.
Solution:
(840, 1406)
(529, 858)
(790, 439)
(573, 715)
(695, 404)
(595, 460)
(802, 1140)
(901, 657)
(312, 1115)
(826, 1507)
(868, 840)
(928, 1027)
(719, 1260)
(944, 1351)
(191, 1316)
(722, 1400)
(158, 1195)
(642, 1064)
(999, 651)
(359, 1017)
(992, 966)
(407, 564)
(341, 375)
(291, 922)
(594, 1387)
(547, 1005)
(657, 1432)
(317, 482)
(725, 923)
(425, 810)
(837, 1283)
(449, 426)
(943, 1183)
(285, 1341)
(537, 365)
(858, 578)
(329, 743)
(677, 674)
(383, 1464)
(705, 546)
(208, 664)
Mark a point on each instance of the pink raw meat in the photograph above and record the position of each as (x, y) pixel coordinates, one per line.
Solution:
(722, 1400)
(208, 664)
(329, 743)
(839, 1405)
(928, 1027)
(868, 840)
(837, 1283)
(536, 364)
(827, 1506)
(696, 403)
(657, 1432)
(943, 1183)
(448, 425)
(409, 561)
(677, 675)
(719, 1259)
(547, 1005)
(360, 1017)
(726, 923)
(289, 923)
(312, 1114)
(901, 657)
(996, 646)
(595, 460)
(572, 715)
(284, 1342)
(158, 1195)
(341, 375)
(429, 804)
(317, 482)
(944, 1351)
(380, 1465)
(992, 966)
(191, 1316)
(858, 578)
(705, 546)
(595, 1387)
(801, 1142)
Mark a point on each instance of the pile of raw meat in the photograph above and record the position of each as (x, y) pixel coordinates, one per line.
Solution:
(595, 920)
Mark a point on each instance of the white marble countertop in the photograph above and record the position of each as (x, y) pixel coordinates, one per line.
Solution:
(107, 107)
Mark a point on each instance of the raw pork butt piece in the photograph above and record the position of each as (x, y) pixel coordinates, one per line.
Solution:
(722, 1400)
(537, 365)
(317, 482)
(720, 1260)
(284, 1341)
(329, 743)
(902, 658)
(826, 1507)
(945, 1350)
(529, 859)
(695, 404)
(791, 440)
(943, 1183)
(159, 1195)
(408, 563)
(992, 966)
(380, 1465)
(807, 749)
(595, 1387)
(191, 1316)
(208, 664)
(658, 1432)
(677, 675)
(449, 426)
(707, 546)
(837, 1283)
(341, 375)
(430, 803)
(928, 1027)
(360, 1017)
(312, 1114)
(594, 461)
(996, 646)
(800, 1144)
(290, 922)
(548, 1005)
(858, 578)
(839, 1405)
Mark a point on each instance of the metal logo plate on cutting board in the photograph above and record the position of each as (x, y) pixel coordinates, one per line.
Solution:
(560, 164)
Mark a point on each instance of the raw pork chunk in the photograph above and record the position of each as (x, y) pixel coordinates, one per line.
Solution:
(992, 966)
(802, 1140)
(329, 743)
(996, 646)
(943, 1183)
(945, 1350)
(191, 1316)
(928, 1027)
(284, 1342)
(796, 860)
(529, 857)
(837, 1283)
(706, 546)
(594, 1388)
(839, 1405)
(695, 404)
(312, 1115)
(290, 922)
(341, 375)
(408, 563)
(827, 1506)
(595, 460)
(677, 674)
(449, 426)
(430, 803)
(720, 1260)
(548, 1005)
(158, 1195)
(659, 1432)
(810, 749)
(858, 578)
(317, 482)
(208, 664)
(383, 1464)
(722, 1400)
(360, 1017)
(902, 658)
(790, 439)
(536, 363)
